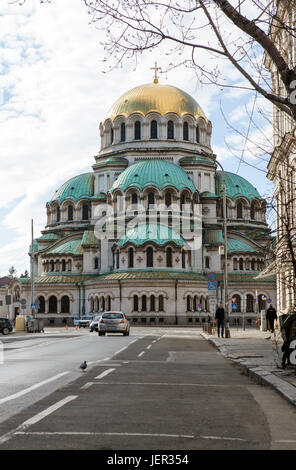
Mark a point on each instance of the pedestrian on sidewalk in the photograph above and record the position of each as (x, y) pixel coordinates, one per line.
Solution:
(220, 320)
(271, 316)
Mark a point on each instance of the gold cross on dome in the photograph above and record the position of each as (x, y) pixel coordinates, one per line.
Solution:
(155, 68)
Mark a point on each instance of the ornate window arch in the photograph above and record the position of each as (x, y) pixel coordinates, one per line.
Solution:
(153, 129)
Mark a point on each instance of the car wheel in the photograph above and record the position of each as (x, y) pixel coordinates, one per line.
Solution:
(5, 331)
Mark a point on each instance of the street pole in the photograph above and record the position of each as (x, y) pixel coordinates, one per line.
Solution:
(32, 270)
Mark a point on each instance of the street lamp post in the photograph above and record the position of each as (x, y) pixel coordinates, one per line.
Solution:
(227, 329)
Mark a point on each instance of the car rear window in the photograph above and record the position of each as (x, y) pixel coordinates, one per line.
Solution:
(112, 315)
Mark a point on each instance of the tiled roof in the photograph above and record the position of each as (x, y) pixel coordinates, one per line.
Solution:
(71, 246)
(157, 233)
(236, 186)
(89, 239)
(75, 188)
(158, 173)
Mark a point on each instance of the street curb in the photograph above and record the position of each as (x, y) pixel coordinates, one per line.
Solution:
(261, 375)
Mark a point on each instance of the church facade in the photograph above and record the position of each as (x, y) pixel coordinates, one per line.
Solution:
(142, 231)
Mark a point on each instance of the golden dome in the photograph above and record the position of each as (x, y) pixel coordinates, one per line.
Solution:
(154, 97)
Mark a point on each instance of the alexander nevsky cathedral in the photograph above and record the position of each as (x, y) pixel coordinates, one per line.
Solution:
(143, 229)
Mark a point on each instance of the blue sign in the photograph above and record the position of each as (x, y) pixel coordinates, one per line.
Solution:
(212, 276)
(269, 300)
(212, 285)
(234, 306)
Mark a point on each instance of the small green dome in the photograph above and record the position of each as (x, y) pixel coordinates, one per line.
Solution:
(236, 186)
(76, 188)
(156, 233)
(158, 173)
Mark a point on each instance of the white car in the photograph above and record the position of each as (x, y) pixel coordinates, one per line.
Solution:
(94, 324)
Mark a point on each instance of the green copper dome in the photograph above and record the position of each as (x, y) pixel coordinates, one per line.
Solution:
(157, 173)
(76, 188)
(156, 233)
(236, 186)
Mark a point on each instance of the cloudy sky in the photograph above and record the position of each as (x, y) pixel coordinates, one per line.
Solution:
(53, 95)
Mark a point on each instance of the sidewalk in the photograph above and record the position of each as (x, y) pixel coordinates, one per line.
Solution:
(258, 354)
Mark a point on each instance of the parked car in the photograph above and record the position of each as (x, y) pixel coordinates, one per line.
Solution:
(85, 321)
(113, 322)
(5, 326)
(94, 324)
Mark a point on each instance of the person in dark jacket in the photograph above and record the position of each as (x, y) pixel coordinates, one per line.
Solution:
(271, 316)
(220, 320)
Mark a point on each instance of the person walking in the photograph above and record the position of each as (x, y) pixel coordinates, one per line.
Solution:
(271, 316)
(220, 320)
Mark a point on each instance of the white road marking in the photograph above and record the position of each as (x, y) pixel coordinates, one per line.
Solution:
(148, 347)
(73, 433)
(33, 387)
(35, 419)
(125, 347)
(141, 353)
(86, 386)
(134, 434)
(170, 384)
(103, 374)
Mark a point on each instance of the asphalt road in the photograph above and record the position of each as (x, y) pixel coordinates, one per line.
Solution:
(163, 389)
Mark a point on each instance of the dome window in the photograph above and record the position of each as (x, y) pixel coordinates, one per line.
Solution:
(111, 135)
(85, 210)
(197, 136)
(122, 132)
(153, 130)
(149, 257)
(169, 256)
(185, 131)
(170, 130)
(137, 130)
(239, 211)
(131, 258)
(70, 212)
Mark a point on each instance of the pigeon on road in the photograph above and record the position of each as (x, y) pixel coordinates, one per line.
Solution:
(83, 366)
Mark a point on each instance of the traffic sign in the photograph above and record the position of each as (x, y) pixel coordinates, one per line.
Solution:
(212, 285)
(234, 306)
(212, 276)
(269, 300)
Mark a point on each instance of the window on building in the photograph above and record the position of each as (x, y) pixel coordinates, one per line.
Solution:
(168, 199)
(122, 132)
(149, 256)
(85, 209)
(111, 135)
(152, 303)
(65, 304)
(161, 303)
(137, 130)
(197, 134)
(239, 210)
(131, 258)
(241, 264)
(153, 130)
(63, 265)
(96, 265)
(188, 306)
(207, 262)
(250, 303)
(185, 131)
(52, 265)
(70, 212)
(151, 199)
(183, 259)
(58, 214)
(136, 303)
(144, 303)
(252, 212)
(134, 199)
(170, 130)
(41, 308)
(52, 304)
(108, 302)
(169, 256)
(117, 259)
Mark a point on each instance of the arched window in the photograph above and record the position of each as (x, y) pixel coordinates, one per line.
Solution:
(85, 211)
(41, 308)
(183, 259)
(137, 130)
(152, 303)
(117, 259)
(252, 211)
(168, 199)
(169, 256)
(188, 307)
(207, 262)
(134, 199)
(58, 214)
(52, 304)
(111, 135)
(52, 265)
(69, 265)
(70, 212)
(195, 303)
(153, 130)
(182, 201)
(151, 199)
(131, 258)
(253, 265)
(122, 132)
(149, 256)
(144, 303)
(250, 303)
(65, 304)
(97, 304)
(197, 134)
(63, 265)
(161, 303)
(235, 264)
(185, 131)
(239, 210)
(109, 302)
(241, 264)
(170, 130)
(96, 264)
(136, 303)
